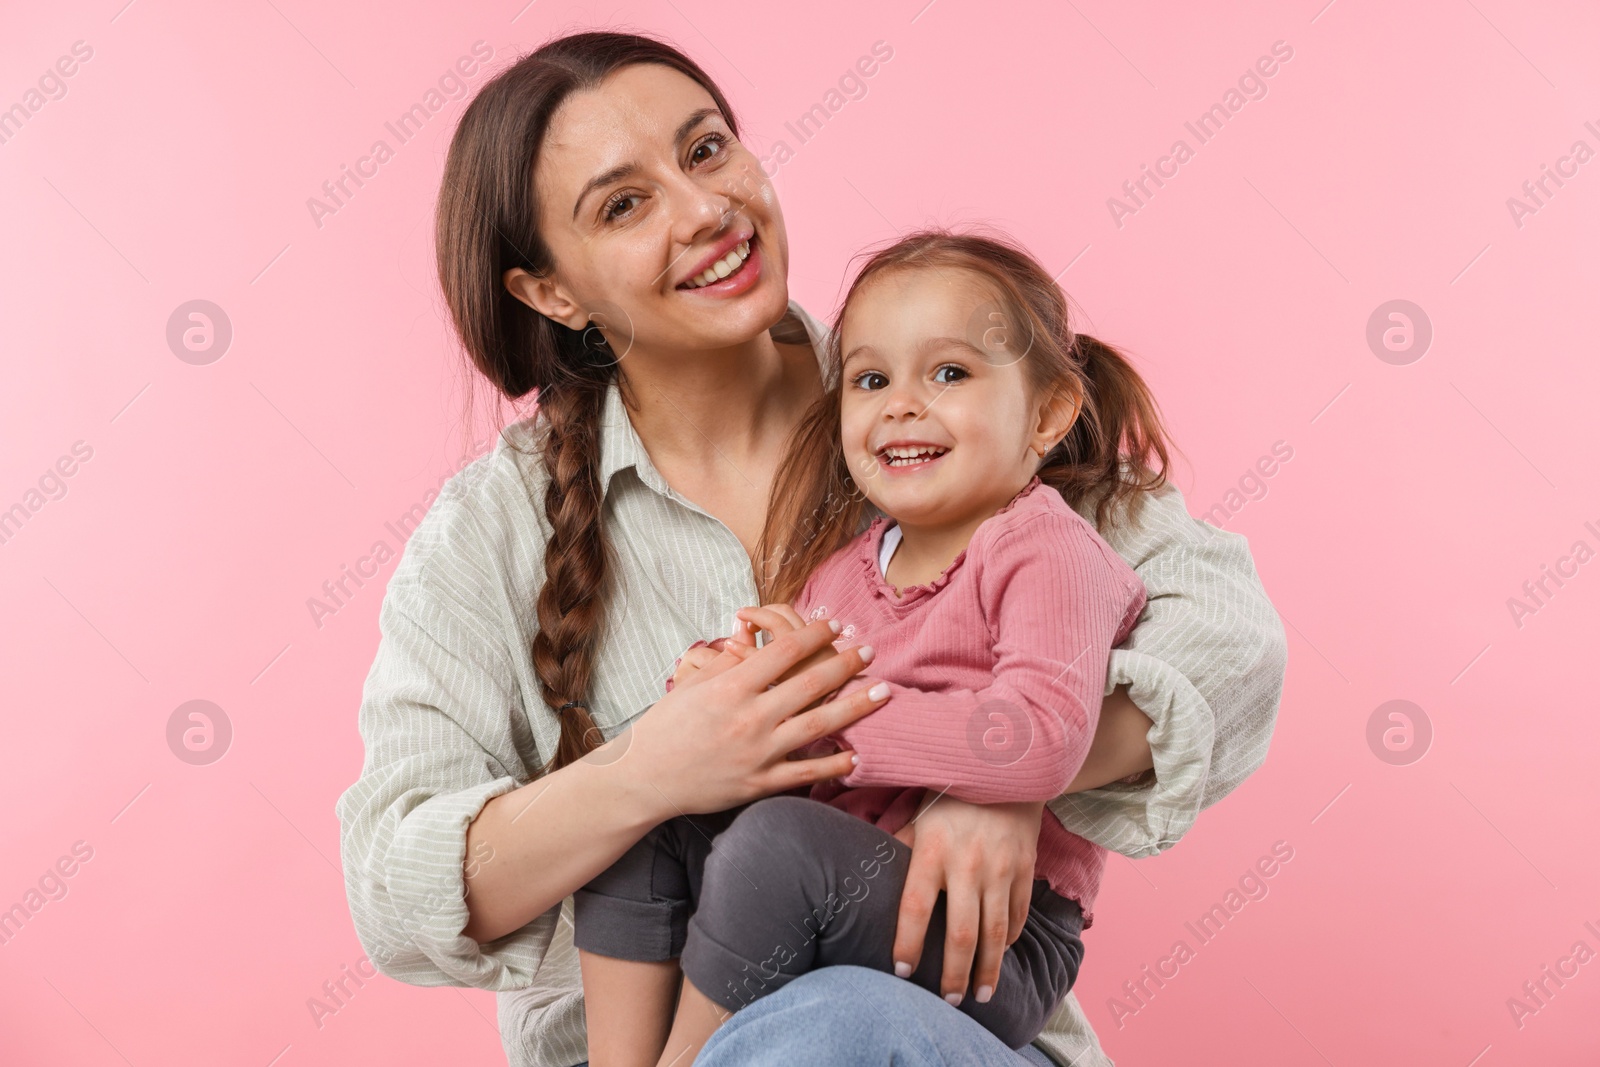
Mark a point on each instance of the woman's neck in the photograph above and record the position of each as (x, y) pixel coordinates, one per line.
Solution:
(715, 424)
(705, 408)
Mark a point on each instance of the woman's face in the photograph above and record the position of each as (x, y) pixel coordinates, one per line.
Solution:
(642, 190)
(939, 423)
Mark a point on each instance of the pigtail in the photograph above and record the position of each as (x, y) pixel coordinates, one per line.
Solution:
(1109, 456)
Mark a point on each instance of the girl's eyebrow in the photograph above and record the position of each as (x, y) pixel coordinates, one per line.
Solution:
(617, 173)
(929, 344)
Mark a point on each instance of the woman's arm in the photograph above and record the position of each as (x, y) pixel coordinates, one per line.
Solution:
(435, 721)
(1205, 664)
(1201, 675)
(1120, 751)
(455, 865)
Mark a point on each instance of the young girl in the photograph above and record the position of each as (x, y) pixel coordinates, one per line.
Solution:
(963, 408)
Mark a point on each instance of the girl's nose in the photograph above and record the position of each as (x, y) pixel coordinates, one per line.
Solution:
(903, 402)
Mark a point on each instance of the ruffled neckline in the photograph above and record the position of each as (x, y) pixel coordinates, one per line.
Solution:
(872, 543)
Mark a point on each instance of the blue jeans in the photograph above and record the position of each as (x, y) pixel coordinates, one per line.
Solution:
(846, 1015)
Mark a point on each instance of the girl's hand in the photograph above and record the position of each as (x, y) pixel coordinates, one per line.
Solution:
(723, 739)
(698, 655)
(723, 651)
(776, 619)
(982, 856)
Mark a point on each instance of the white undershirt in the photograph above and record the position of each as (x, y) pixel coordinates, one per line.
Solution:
(891, 541)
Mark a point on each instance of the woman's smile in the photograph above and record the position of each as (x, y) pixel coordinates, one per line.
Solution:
(729, 274)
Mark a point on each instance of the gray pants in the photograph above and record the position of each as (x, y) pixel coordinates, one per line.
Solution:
(791, 885)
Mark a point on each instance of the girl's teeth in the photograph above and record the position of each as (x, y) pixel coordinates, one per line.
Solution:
(722, 267)
(902, 457)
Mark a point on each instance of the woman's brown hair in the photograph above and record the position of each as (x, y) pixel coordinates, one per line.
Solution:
(486, 224)
(1108, 456)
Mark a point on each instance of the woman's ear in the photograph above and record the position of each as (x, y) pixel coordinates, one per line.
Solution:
(547, 296)
(1056, 416)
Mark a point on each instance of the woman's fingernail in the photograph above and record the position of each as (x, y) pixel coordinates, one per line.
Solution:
(879, 691)
(984, 993)
(954, 999)
(835, 625)
(854, 762)
(902, 969)
(866, 653)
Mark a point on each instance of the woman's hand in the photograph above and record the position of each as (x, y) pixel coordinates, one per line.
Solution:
(982, 856)
(723, 737)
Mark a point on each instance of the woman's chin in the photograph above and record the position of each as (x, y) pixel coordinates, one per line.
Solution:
(728, 323)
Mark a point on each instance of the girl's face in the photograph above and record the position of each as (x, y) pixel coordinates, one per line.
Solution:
(641, 190)
(939, 425)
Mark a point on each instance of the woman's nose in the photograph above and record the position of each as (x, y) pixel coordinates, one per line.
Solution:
(699, 207)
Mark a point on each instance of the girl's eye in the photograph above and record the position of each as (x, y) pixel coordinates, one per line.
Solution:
(870, 379)
(610, 212)
(956, 374)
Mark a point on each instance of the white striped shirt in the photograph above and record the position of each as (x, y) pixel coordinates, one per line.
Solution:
(452, 713)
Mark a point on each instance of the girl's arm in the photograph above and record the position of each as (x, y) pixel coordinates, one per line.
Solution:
(1205, 663)
(1054, 600)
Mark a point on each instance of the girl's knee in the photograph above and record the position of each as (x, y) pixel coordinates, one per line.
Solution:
(777, 819)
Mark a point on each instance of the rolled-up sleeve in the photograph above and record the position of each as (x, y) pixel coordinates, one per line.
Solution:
(436, 718)
(1205, 662)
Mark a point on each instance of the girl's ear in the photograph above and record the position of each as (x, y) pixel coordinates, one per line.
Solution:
(1056, 416)
(547, 296)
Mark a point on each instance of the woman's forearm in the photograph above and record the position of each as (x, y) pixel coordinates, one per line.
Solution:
(1120, 747)
(530, 848)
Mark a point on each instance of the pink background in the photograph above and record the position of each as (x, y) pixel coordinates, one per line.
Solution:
(219, 497)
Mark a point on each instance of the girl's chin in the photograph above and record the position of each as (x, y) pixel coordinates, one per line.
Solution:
(912, 507)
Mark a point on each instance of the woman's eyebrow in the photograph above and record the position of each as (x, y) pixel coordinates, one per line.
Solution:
(622, 170)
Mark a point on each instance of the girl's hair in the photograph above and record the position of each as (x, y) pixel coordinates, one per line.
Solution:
(1108, 453)
(487, 223)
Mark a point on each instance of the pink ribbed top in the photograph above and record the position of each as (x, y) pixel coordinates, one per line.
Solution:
(996, 669)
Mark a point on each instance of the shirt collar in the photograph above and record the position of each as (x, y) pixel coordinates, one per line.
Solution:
(620, 447)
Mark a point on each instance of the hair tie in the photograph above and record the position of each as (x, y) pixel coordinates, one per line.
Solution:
(572, 704)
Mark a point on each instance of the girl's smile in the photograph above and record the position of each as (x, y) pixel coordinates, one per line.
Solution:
(938, 431)
(900, 458)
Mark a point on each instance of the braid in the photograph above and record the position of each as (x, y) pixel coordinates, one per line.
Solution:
(570, 605)
(486, 224)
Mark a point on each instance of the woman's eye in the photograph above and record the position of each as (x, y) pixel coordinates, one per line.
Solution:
(612, 209)
(714, 144)
(949, 374)
(870, 380)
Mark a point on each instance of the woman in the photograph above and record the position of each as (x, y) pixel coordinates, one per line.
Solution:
(605, 238)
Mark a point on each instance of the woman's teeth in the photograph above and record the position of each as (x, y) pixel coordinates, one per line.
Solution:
(905, 457)
(722, 267)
